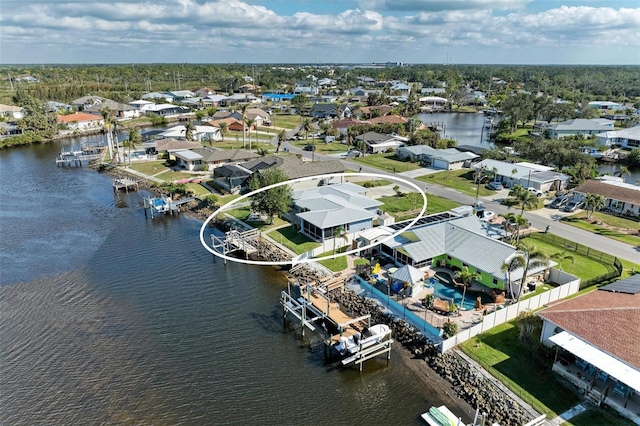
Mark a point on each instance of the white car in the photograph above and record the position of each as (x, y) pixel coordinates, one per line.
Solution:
(485, 215)
(535, 191)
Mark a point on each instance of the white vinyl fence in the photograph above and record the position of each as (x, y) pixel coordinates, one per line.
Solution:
(511, 312)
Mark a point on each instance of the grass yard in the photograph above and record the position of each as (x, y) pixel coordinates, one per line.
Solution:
(321, 147)
(336, 265)
(287, 121)
(516, 364)
(360, 261)
(374, 183)
(411, 202)
(600, 417)
(611, 221)
(582, 267)
(170, 176)
(461, 180)
(386, 162)
(150, 168)
(197, 189)
(243, 212)
(294, 241)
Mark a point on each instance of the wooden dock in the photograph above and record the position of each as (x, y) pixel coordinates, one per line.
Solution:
(235, 240)
(75, 158)
(126, 184)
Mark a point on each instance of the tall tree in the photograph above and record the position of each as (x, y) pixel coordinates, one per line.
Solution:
(533, 258)
(525, 198)
(561, 256)
(189, 128)
(243, 110)
(281, 137)
(224, 129)
(467, 277)
(250, 122)
(339, 232)
(274, 201)
(306, 126)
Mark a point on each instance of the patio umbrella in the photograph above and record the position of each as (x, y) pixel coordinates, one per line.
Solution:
(408, 274)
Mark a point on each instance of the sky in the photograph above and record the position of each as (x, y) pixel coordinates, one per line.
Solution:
(321, 31)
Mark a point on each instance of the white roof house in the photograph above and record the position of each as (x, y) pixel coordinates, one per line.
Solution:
(579, 126)
(201, 133)
(626, 138)
(525, 174)
(447, 159)
(606, 105)
(321, 210)
(11, 111)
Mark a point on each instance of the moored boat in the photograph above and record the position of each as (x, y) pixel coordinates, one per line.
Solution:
(362, 340)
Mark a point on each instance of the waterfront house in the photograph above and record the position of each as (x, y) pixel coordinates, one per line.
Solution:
(320, 211)
(402, 89)
(342, 125)
(204, 92)
(625, 138)
(294, 167)
(231, 177)
(232, 123)
(596, 339)
(10, 128)
(201, 133)
(620, 197)
(389, 119)
(578, 126)
(166, 109)
(372, 111)
(11, 111)
(81, 121)
(433, 101)
(208, 158)
(455, 242)
(445, 159)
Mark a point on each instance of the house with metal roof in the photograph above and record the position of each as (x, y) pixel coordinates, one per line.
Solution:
(525, 174)
(578, 126)
(459, 242)
(591, 353)
(625, 138)
(606, 105)
(446, 159)
(320, 211)
(378, 142)
(201, 133)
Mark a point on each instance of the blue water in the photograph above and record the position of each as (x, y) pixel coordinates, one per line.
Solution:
(445, 289)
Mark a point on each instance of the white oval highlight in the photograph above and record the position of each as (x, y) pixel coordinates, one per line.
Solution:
(313, 259)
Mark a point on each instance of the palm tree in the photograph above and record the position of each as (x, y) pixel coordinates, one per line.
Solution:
(467, 277)
(134, 139)
(624, 170)
(481, 174)
(533, 258)
(511, 264)
(189, 128)
(243, 109)
(281, 137)
(593, 202)
(249, 122)
(306, 126)
(338, 232)
(224, 129)
(561, 256)
(517, 221)
(525, 198)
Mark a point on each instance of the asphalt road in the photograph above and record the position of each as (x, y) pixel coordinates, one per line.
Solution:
(598, 242)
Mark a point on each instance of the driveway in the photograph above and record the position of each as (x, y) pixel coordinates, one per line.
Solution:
(422, 171)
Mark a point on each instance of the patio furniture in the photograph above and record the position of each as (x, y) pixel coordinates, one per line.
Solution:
(582, 364)
(603, 376)
(620, 389)
(440, 305)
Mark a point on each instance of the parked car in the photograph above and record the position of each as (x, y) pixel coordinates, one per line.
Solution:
(309, 148)
(353, 153)
(535, 191)
(508, 224)
(495, 186)
(558, 202)
(572, 206)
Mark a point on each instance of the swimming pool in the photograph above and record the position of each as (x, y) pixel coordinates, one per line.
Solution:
(445, 289)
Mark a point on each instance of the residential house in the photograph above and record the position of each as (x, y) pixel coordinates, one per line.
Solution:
(204, 92)
(620, 197)
(342, 125)
(81, 121)
(326, 82)
(213, 100)
(141, 104)
(10, 128)
(578, 126)
(456, 242)
(11, 111)
(603, 364)
(53, 106)
(232, 177)
(211, 158)
(201, 133)
(167, 97)
(179, 95)
(402, 88)
(372, 111)
(625, 138)
(525, 174)
(389, 119)
(329, 110)
(433, 101)
(433, 91)
(166, 109)
(367, 81)
(259, 116)
(606, 105)
(377, 142)
(320, 211)
(232, 123)
(249, 88)
(223, 113)
(169, 146)
(294, 167)
(359, 92)
(446, 159)
(239, 98)
(305, 88)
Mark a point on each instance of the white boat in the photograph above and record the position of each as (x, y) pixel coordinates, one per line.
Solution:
(441, 416)
(369, 337)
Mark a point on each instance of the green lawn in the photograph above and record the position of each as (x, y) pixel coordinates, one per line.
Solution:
(461, 180)
(150, 168)
(386, 162)
(197, 189)
(618, 222)
(287, 121)
(410, 202)
(243, 212)
(336, 265)
(582, 267)
(600, 417)
(294, 241)
(321, 147)
(170, 176)
(501, 352)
